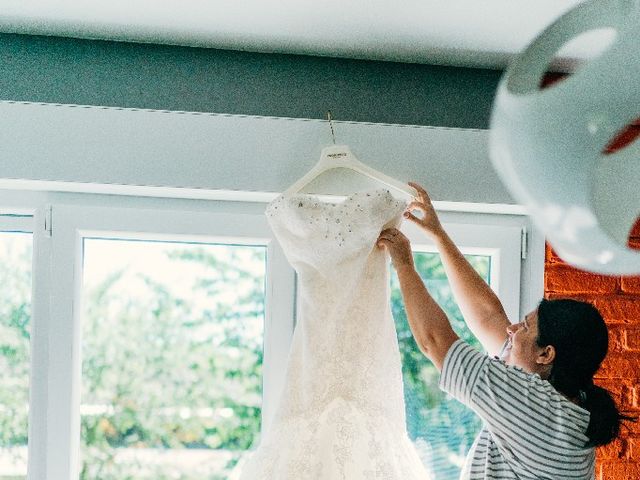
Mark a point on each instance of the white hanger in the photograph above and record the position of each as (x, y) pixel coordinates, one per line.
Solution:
(341, 156)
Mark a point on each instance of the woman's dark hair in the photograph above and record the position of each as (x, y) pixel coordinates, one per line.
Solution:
(579, 335)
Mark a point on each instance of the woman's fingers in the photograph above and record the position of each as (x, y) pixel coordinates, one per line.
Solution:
(423, 196)
(411, 217)
(389, 234)
(397, 245)
(418, 188)
(383, 243)
(417, 206)
(385, 239)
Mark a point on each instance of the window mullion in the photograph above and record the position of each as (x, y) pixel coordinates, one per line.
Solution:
(279, 325)
(63, 346)
(39, 371)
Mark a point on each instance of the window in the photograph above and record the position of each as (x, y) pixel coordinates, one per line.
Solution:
(441, 428)
(171, 378)
(171, 358)
(15, 334)
(160, 335)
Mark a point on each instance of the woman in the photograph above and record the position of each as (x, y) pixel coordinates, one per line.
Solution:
(543, 416)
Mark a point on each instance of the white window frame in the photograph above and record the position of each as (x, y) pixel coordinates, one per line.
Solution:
(16, 222)
(54, 423)
(73, 223)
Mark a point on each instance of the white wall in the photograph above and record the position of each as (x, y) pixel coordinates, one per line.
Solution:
(90, 147)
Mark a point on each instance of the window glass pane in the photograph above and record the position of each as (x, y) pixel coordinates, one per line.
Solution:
(15, 319)
(442, 428)
(172, 358)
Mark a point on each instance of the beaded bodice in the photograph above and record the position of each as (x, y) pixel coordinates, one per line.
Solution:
(344, 343)
(323, 236)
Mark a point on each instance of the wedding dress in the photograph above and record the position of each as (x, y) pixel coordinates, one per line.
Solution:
(341, 415)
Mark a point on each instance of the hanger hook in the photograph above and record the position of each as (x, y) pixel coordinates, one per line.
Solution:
(333, 135)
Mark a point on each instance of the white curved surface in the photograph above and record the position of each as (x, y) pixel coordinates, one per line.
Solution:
(457, 32)
(547, 144)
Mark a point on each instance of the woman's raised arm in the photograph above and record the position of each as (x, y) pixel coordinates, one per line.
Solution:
(480, 306)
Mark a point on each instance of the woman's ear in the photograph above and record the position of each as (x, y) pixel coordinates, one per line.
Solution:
(546, 355)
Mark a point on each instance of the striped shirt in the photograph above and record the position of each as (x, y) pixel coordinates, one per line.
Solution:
(530, 431)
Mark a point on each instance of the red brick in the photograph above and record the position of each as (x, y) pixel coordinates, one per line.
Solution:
(630, 398)
(615, 386)
(617, 338)
(583, 297)
(633, 447)
(631, 429)
(619, 308)
(616, 450)
(551, 256)
(634, 241)
(631, 339)
(618, 365)
(619, 471)
(630, 284)
(565, 279)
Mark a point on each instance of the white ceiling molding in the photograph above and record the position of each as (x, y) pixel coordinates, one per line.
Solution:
(468, 33)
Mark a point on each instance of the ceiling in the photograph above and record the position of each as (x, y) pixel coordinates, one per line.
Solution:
(471, 33)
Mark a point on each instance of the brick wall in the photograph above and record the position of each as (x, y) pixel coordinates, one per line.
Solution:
(618, 299)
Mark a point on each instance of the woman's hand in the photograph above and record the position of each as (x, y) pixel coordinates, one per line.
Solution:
(398, 246)
(429, 222)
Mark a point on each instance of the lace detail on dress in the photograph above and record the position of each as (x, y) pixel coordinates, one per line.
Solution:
(341, 414)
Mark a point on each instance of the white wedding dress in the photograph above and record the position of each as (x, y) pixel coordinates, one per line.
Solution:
(341, 414)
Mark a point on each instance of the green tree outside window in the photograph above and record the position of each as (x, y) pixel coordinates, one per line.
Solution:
(15, 321)
(172, 359)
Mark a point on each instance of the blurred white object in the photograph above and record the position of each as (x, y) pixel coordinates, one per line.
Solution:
(548, 145)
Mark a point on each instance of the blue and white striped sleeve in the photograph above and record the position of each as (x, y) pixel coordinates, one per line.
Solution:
(460, 371)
